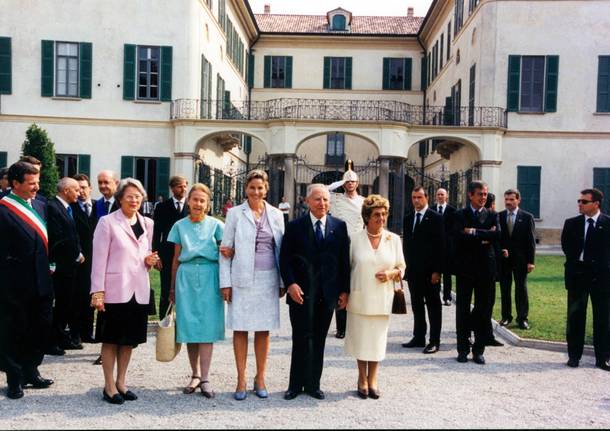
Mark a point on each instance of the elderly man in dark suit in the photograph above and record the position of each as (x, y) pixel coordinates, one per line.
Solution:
(518, 244)
(423, 245)
(314, 264)
(447, 211)
(66, 254)
(476, 232)
(166, 214)
(585, 240)
(26, 294)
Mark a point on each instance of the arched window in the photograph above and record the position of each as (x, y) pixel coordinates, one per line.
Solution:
(339, 22)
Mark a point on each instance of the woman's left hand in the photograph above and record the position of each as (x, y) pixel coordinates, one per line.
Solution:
(385, 276)
(227, 252)
(152, 259)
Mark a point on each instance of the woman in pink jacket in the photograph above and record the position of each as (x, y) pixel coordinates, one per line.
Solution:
(120, 285)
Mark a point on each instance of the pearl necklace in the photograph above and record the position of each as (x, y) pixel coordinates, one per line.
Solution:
(374, 235)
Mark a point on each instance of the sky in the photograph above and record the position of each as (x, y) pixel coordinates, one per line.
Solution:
(357, 7)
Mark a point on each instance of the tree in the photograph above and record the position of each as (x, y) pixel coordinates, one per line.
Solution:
(37, 144)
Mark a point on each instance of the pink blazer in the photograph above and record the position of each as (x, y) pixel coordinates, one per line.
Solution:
(118, 267)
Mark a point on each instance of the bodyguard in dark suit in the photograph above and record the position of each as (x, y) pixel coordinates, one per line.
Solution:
(314, 264)
(518, 244)
(26, 294)
(585, 240)
(448, 212)
(166, 214)
(423, 247)
(476, 229)
(65, 252)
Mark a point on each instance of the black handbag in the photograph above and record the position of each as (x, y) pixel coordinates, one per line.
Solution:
(399, 304)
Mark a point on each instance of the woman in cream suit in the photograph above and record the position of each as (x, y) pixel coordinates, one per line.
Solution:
(122, 257)
(250, 279)
(376, 260)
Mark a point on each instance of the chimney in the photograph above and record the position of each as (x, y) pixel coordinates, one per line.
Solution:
(410, 12)
(267, 9)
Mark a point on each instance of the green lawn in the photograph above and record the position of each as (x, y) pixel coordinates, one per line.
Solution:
(155, 283)
(548, 303)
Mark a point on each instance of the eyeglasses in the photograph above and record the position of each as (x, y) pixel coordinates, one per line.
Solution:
(584, 201)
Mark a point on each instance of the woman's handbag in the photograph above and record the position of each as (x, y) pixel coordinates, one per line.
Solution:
(167, 348)
(399, 304)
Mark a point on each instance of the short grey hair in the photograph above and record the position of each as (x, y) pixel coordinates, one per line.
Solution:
(312, 187)
(129, 182)
(109, 173)
(64, 183)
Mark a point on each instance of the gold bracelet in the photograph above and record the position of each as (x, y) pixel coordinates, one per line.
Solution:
(98, 296)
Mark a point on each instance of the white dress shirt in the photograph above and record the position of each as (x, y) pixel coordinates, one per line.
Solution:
(181, 202)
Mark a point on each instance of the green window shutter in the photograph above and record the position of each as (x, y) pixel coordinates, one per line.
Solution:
(46, 76)
(528, 183)
(5, 66)
(551, 80)
(129, 72)
(424, 84)
(348, 73)
(386, 74)
(603, 85)
(166, 73)
(3, 159)
(288, 73)
(250, 70)
(326, 72)
(601, 181)
(85, 68)
(126, 166)
(408, 66)
(514, 83)
(267, 79)
(162, 177)
(84, 164)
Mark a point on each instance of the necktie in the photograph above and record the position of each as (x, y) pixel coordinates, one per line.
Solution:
(69, 209)
(440, 209)
(510, 223)
(88, 208)
(107, 207)
(318, 232)
(586, 255)
(417, 220)
(178, 206)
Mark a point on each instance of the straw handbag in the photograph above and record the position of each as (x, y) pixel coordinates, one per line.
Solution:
(167, 348)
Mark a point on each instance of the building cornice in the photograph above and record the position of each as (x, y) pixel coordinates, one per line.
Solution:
(112, 122)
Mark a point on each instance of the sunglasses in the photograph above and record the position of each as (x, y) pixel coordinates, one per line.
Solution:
(584, 201)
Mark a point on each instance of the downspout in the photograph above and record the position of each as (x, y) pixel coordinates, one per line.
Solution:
(250, 98)
(425, 88)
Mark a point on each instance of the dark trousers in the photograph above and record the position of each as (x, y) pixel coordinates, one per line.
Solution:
(25, 326)
(490, 311)
(424, 295)
(67, 308)
(522, 306)
(86, 312)
(467, 320)
(447, 284)
(341, 319)
(577, 318)
(310, 323)
(166, 283)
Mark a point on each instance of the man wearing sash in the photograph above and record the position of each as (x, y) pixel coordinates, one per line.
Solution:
(26, 293)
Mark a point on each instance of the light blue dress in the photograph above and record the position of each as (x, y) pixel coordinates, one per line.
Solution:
(199, 303)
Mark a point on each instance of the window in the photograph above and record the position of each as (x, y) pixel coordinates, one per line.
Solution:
(338, 72)
(278, 72)
(234, 47)
(435, 55)
(442, 49)
(222, 14)
(471, 95)
(532, 83)
(397, 73)
(152, 172)
(66, 69)
(603, 85)
(69, 165)
(66, 64)
(472, 5)
(5, 66)
(339, 22)
(220, 95)
(209, 3)
(458, 16)
(206, 88)
(601, 181)
(3, 159)
(148, 72)
(448, 40)
(528, 183)
(429, 72)
(335, 148)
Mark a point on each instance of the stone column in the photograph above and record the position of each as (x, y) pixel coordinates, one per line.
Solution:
(384, 172)
(289, 177)
(489, 171)
(184, 164)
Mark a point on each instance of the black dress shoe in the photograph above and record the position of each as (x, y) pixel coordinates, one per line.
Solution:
(98, 361)
(478, 358)
(462, 357)
(69, 345)
(55, 351)
(291, 394)
(128, 395)
(431, 348)
(340, 334)
(494, 343)
(14, 391)
(506, 322)
(318, 394)
(603, 365)
(414, 343)
(115, 399)
(524, 325)
(572, 363)
(38, 382)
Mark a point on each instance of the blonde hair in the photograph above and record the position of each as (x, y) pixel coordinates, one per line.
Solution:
(257, 174)
(372, 202)
(198, 187)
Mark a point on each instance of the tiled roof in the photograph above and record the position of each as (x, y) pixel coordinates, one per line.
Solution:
(361, 25)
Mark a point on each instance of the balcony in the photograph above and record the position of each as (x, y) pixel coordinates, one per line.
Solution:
(339, 110)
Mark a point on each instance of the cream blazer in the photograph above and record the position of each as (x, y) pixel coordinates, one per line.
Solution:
(368, 295)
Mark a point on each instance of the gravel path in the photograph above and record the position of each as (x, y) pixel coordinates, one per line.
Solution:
(517, 388)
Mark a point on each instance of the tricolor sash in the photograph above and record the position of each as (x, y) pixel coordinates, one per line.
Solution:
(20, 208)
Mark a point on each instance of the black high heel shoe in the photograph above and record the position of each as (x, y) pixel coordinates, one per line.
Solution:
(115, 399)
(128, 395)
(204, 392)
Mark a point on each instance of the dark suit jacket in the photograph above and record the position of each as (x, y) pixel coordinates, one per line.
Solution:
(165, 216)
(424, 248)
(98, 208)
(572, 244)
(64, 244)
(85, 226)
(521, 245)
(317, 270)
(24, 264)
(475, 255)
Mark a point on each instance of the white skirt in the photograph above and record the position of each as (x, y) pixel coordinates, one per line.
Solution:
(257, 307)
(366, 337)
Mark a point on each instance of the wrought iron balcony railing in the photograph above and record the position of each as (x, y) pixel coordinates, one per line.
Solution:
(332, 109)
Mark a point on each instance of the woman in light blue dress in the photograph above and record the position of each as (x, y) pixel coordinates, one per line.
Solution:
(194, 288)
